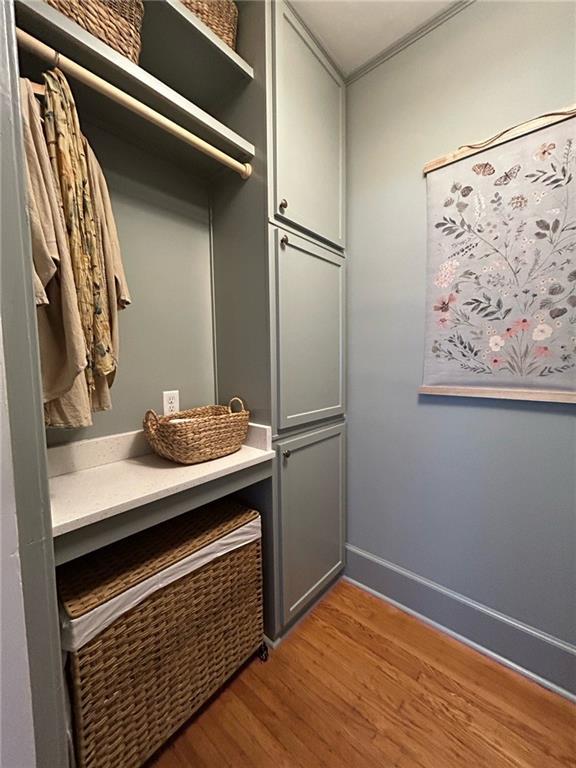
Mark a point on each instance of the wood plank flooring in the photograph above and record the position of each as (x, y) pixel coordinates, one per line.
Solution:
(359, 683)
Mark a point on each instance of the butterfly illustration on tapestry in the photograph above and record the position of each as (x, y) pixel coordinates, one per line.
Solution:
(483, 169)
(508, 176)
(487, 169)
(502, 251)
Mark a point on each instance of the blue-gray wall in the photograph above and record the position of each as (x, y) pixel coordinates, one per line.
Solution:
(166, 335)
(461, 509)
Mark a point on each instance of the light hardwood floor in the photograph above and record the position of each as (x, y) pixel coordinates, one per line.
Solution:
(360, 683)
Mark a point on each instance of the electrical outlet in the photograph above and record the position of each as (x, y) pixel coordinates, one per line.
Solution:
(171, 401)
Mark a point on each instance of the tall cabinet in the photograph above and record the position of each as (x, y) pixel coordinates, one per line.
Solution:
(308, 132)
(289, 335)
(276, 244)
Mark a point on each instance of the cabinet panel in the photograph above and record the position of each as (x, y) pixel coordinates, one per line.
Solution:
(310, 331)
(309, 122)
(311, 469)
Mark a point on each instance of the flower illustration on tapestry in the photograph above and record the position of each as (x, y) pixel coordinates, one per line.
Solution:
(501, 306)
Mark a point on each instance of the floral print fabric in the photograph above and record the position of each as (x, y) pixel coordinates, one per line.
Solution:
(501, 306)
(68, 158)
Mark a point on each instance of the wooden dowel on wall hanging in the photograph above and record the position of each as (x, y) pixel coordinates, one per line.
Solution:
(82, 75)
(494, 393)
(529, 126)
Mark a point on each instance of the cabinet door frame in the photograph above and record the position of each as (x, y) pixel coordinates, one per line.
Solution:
(290, 612)
(283, 419)
(283, 13)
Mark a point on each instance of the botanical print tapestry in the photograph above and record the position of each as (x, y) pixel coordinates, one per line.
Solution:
(501, 285)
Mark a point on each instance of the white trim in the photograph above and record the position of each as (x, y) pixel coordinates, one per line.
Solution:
(470, 643)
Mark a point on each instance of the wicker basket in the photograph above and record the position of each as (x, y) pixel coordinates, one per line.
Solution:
(145, 674)
(220, 15)
(116, 22)
(200, 434)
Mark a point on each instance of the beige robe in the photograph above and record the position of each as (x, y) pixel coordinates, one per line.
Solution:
(117, 295)
(114, 298)
(70, 395)
(62, 345)
(66, 149)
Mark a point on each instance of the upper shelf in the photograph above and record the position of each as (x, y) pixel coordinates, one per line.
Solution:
(199, 64)
(53, 28)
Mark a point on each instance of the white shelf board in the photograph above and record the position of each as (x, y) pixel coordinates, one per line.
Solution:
(53, 28)
(91, 495)
(199, 65)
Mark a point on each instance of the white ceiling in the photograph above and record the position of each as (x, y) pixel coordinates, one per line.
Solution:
(355, 31)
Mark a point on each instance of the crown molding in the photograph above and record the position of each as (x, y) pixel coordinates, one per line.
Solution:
(314, 37)
(409, 39)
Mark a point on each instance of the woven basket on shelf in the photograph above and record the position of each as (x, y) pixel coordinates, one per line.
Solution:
(116, 22)
(146, 673)
(200, 434)
(220, 15)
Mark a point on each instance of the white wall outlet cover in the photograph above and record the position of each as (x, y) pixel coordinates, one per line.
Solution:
(171, 401)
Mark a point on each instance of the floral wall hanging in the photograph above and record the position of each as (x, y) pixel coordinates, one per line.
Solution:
(501, 284)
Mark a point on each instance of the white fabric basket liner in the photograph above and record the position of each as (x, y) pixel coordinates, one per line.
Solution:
(75, 633)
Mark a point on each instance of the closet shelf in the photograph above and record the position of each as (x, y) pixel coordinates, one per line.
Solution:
(111, 487)
(200, 65)
(89, 496)
(82, 498)
(56, 30)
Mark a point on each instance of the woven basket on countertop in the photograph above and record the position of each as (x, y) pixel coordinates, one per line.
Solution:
(205, 433)
(116, 22)
(145, 674)
(220, 15)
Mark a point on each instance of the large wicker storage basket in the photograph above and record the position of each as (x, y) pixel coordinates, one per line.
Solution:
(199, 434)
(220, 15)
(137, 680)
(116, 22)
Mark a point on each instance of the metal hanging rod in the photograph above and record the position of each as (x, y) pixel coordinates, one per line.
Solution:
(88, 78)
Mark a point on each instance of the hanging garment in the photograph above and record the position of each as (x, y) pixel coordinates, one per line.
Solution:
(79, 280)
(62, 345)
(69, 164)
(116, 296)
(79, 400)
(101, 288)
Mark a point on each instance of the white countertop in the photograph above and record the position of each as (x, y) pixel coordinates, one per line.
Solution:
(89, 495)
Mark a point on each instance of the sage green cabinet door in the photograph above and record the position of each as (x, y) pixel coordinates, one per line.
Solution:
(309, 132)
(310, 313)
(311, 485)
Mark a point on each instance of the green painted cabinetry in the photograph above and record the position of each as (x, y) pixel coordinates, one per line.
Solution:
(308, 115)
(311, 490)
(309, 308)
